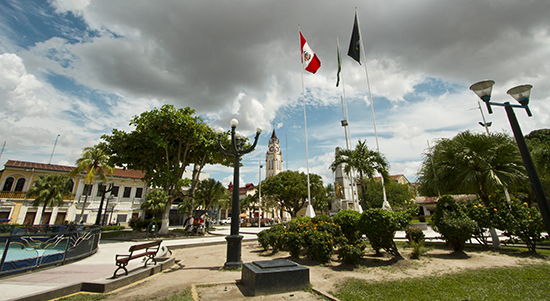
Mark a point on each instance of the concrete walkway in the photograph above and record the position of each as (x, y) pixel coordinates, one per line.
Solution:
(97, 267)
(100, 266)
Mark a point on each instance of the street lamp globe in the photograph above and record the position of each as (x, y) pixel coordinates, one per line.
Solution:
(521, 94)
(483, 89)
(234, 122)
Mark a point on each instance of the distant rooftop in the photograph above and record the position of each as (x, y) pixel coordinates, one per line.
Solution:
(121, 173)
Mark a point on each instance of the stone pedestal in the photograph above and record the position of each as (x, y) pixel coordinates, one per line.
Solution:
(274, 276)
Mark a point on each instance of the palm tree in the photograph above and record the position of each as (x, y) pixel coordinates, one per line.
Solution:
(473, 163)
(209, 192)
(94, 161)
(365, 161)
(49, 190)
(155, 201)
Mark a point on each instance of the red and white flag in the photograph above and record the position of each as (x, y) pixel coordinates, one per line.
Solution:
(309, 59)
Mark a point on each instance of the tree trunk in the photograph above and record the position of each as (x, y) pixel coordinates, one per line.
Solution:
(83, 207)
(166, 218)
(43, 210)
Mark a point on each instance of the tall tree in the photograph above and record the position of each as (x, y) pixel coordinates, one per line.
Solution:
(49, 190)
(399, 195)
(95, 162)
(322, 202)
(154, 202)
(164, 143)
(365, 161)
(472, 163)
(289, 188)
(209, 192)
(539, 146)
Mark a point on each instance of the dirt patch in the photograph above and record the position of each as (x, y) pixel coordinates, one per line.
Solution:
(203, 265)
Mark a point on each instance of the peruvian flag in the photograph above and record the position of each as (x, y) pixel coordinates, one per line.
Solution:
(309, 59)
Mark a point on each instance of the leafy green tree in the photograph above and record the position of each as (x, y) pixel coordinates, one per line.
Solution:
(472, 163)
(399, 195)
(289, 188)
(322, 202)
(95, 162)
(164, 143)
(49, 190)
(154, 202)
(210, 193)
(538, 142)
(365, 161)
(249, 202)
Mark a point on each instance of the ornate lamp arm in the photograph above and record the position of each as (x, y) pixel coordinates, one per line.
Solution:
(246, 151)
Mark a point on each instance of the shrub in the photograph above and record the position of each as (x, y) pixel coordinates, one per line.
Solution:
(379, 226)
(275, 237)
(263, 239)
(348, 220)
(319, 245)
(293, 242)
(299, 225)
(451, 221)
(521, 221)
(139, 225)
(331, 229)
(414, 235)
(321, 218)
(113, 228)
(483, 217)
(351, 253)
(418, 249)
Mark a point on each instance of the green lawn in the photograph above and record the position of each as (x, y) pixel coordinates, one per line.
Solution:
(530, 282)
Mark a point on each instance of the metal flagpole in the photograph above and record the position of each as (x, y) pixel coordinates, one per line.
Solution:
(54, 149)
(385, 205)
(345, 123)
(305, 119)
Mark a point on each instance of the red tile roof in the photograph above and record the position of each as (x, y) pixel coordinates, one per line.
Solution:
(122, 173)
(242, 190)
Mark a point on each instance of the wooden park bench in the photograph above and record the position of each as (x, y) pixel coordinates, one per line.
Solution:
(150, 251)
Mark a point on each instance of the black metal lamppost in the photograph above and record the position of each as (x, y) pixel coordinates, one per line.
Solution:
(98, 218)
(237, 150)
(521, 93)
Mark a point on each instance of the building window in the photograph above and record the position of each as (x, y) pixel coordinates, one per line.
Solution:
(70, 185)
(87, 189)
(127, 192)
(8, 184)
(20, 184)
(114, 191)
(84, 218)
(139, 192)
(121, 218)
(100, 189)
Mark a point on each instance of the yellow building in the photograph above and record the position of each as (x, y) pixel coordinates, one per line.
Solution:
(120, 204)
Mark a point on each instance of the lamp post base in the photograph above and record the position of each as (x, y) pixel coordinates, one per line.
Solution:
(234, 243)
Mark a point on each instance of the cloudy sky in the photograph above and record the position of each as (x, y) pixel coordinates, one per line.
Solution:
(78, 69)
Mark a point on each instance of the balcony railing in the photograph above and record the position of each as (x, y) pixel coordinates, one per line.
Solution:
(12, 195)
(21, 195)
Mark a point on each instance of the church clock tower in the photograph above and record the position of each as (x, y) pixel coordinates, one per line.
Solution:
(273, 157)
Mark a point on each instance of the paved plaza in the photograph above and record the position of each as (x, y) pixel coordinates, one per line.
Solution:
(99, 267)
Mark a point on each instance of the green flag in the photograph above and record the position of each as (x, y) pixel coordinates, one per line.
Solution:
(353, 51)
(339, 66)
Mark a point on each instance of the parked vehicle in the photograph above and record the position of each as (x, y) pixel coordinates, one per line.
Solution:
(226, 221)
